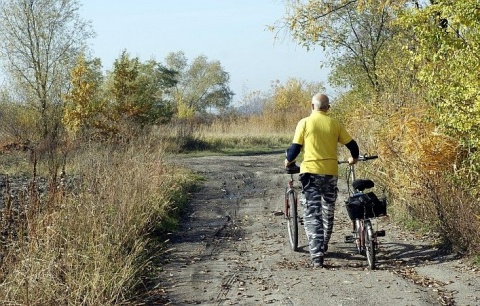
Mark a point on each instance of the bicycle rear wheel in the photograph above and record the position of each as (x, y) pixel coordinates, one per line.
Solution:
(369, 239)
(292, 218)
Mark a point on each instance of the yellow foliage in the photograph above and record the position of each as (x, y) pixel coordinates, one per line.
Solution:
(410, 136)
(81, 104)
(294, 94)
(412, 150)
(184, 111)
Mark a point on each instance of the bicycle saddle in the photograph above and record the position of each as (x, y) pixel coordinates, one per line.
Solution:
(292, 169)
(362, 184)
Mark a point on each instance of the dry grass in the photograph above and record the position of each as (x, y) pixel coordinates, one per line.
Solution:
(230, 135)
(86, 241)
(88, 245)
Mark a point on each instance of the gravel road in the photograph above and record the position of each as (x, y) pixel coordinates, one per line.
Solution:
(232, 249)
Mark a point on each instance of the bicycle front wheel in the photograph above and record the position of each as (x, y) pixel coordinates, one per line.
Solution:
(292, 219)
(369, 244)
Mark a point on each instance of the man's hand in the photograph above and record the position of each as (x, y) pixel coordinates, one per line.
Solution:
(352, 161)
(287, 163)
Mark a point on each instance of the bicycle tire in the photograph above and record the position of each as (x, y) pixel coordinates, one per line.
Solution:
(369, 244)
(292, 219)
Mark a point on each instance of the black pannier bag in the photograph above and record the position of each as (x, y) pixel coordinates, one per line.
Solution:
(373, 206)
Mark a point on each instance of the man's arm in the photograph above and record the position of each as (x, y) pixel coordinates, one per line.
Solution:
(352, 146)
(292, 153)
(297, 143)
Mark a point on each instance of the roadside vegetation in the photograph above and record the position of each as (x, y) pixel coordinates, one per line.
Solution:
(89, 239)
(90, 183)
(413, 98)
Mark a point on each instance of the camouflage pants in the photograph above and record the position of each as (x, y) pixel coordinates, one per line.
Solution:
(318, 200)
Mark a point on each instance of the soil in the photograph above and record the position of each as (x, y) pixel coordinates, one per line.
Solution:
(232, 249)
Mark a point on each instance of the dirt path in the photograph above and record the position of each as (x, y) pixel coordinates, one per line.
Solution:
(232, 250)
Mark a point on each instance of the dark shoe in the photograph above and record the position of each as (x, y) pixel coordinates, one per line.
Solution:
(318, 262)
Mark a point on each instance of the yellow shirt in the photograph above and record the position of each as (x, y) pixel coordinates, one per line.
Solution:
(319, 134)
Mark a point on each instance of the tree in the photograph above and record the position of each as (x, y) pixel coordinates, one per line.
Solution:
(84, 102)
(291, 101)
(202, 84)
(446, 54)
(140, 90)
(253, 103)
(294, 95)
(354, 37)
(39, 42)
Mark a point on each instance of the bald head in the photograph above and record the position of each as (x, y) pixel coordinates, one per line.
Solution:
(320, 102)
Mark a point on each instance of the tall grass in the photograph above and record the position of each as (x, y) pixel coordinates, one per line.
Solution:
(227, 135)
(88, 244)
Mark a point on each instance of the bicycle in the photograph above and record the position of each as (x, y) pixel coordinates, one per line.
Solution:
(291, 208)
(361, 208)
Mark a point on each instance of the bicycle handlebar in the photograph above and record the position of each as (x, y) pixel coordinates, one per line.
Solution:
(360, 158)
(365, 157)
(292, 169)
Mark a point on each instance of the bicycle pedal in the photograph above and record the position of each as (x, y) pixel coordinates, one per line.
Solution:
(349, 239)
(380, 233)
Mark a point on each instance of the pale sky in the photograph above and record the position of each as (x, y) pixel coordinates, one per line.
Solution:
(230, 31)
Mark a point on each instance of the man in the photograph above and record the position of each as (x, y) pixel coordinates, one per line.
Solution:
(317, 136)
